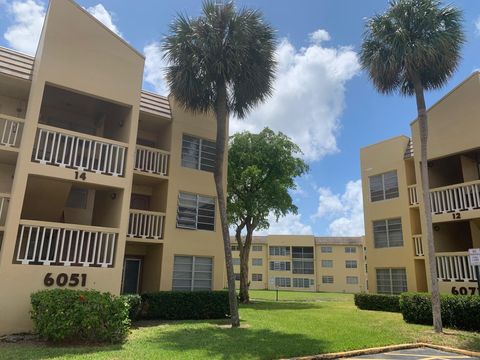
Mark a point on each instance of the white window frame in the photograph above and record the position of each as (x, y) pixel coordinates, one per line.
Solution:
(257, 277)
(391, 284)
(326, 249)
(198, 165)
(351, 264)
(384, 197)
(193, 272)
(387, 225)
(327, 261)
(352, 280)
(329, 277)
(280, 265)
(197, 209)
(257, 262)
(350, 249)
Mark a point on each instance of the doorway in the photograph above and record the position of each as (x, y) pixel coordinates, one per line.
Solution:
(132, 275)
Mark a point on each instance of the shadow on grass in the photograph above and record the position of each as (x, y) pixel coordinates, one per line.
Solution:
(281, 305)
(242, 343)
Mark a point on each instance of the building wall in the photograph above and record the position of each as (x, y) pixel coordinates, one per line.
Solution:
(88, 76)
(338, 270)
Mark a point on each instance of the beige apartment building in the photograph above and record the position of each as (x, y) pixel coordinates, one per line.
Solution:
(102, 185)
(393, 202)
(305, 263)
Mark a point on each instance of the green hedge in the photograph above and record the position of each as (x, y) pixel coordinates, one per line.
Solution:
(62, 315)
(175, 305)
(378, 302)
(134, 302)
(458, 311)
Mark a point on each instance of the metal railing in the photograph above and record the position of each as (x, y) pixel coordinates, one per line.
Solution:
(151, 160)
(10, 131)
(454, 267)
(418, 245)
(145, 224)
(42, 243)
(453, 198)
(412, 195)
(69, 149)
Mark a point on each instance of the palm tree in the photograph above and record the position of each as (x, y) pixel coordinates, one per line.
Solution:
(222, 61)
(415, 46)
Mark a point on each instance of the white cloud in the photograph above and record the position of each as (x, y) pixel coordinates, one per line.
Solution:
(27, 21)
(27, 18)
(477, 25)
(287, 225)
(344, 211)
(155, 67)
(105, 17)
(309, 94)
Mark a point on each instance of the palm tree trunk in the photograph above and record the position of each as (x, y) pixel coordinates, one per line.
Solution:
(221, 115)
(423, 127)
(244, 256)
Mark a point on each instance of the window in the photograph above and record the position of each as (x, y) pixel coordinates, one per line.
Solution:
(350, 249)
(387, 233)
(326, 249)
(351, 264)
(237, 277)
(352, 280)
(327, 263)
(391, 281)
(327, 279)
(302, 283)
(302, 260)
(282, 282)
(280, 250)
(192, 273)
(257, 248)
(257, 262)
(196, 212)
(384, 186)
(77, 198)
(198, 153)
(236, 261)
(257, 277)
(280, 265)
(234, 247)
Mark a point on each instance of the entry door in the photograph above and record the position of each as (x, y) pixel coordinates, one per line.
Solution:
(140, 202)
(132, 269)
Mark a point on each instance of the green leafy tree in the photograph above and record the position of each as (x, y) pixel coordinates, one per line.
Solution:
(261, 171)
(221, 62)
(415, 46)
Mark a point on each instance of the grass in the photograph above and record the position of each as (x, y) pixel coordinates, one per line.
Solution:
(302, 324)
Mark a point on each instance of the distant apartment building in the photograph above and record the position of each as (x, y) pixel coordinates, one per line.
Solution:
(393, 202)
(102, 185)
(305, 263)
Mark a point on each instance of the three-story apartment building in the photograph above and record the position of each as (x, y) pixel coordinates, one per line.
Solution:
(102, 185)
(305, 263)
(393, 202)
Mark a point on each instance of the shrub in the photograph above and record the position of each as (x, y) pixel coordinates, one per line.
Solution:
(134, 302)
(62, 315)
(175, 305)
(377, 302)
(458, 311)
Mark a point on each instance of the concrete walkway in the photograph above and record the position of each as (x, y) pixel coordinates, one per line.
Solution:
(415, 354)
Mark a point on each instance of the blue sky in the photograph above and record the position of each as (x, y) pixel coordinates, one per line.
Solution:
(322, 100)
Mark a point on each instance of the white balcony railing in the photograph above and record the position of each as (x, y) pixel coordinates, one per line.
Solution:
(412, 195)
(151, 160)
(72, 150)
(454, 198)
(145, 224)
(10, 131)
(418, 245)
(45, 243)
(454, 267)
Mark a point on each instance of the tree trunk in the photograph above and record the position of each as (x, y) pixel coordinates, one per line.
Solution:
(221, 115)
(423, 127)
(244, 257)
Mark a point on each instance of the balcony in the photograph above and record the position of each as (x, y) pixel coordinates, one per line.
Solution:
(454, 267)
(10, 131)
(412, 195)
(151, 161)
(74, 150)
(418, 245)
(57, 244)
(144, 224)
(455, 198)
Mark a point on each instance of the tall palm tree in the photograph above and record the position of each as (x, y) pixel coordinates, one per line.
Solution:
(222, 61)
(415, 46)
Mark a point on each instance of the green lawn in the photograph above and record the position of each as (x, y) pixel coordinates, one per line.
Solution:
(326, 323)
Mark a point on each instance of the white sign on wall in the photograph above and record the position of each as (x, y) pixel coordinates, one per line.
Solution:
(474, 257)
